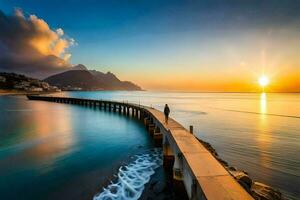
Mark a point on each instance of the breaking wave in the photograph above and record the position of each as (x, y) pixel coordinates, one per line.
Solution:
(132, 177)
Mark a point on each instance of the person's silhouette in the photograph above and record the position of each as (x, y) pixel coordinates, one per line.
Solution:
(166, 112)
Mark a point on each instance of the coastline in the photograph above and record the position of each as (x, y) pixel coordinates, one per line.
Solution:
(18, 92)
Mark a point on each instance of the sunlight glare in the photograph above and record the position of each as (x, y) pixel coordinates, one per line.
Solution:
(263, 81)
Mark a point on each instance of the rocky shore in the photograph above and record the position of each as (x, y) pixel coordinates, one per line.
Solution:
(257, 190)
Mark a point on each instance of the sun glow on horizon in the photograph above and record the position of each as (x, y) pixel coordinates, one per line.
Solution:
(263, 81)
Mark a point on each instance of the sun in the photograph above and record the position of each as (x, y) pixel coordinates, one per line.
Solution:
(263, 81)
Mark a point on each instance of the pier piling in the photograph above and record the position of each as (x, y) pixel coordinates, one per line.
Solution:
(191, 129)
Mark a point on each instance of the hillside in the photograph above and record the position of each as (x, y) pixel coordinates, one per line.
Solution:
(75, 80)
(111, 82)
(18, 82)
(89, 80)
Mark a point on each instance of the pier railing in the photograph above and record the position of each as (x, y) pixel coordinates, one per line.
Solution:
(192, 164)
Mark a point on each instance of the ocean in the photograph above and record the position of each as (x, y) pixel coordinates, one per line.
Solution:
(50, 150)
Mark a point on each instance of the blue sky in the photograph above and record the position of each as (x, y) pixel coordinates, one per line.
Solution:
(140, 38)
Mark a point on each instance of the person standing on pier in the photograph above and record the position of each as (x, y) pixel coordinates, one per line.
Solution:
(166, 112)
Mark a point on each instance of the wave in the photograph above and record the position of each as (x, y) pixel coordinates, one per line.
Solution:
(132, 177)
(259, 113)
(192, 111)
(18, 110)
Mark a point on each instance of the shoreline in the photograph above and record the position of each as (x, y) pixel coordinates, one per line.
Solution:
(18, 92)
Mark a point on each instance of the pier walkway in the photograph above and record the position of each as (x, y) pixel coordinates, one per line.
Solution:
(201, 173)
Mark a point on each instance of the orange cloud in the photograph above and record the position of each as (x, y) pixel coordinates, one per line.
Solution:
(48, 42)
(28, 45)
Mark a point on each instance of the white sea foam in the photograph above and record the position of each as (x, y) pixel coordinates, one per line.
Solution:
(132, 177)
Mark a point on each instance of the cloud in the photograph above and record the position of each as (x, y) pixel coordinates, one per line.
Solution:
(28, 45)
(60, 32)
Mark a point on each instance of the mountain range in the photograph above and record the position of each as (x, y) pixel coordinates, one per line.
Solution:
(80, 78)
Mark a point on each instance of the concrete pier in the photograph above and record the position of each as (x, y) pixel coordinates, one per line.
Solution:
(191, 163)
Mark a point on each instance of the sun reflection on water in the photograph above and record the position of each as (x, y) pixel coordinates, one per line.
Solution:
(263, 103)
(263, 123)
(54, 133)
(264, 139)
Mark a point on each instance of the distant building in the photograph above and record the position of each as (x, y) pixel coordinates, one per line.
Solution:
(44, 85)
(70, 88)
(18, 87)
(2, 79)
(35, 89)
(54, 89)
(14, 81)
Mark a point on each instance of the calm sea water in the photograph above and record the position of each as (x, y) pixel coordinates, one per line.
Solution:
(57, 151)
(259, 133)
(63, 151)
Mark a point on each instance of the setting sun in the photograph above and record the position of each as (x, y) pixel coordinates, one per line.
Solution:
(263, 81)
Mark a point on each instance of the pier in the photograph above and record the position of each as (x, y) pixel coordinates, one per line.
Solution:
(192, 164)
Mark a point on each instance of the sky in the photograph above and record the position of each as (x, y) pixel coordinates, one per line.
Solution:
(191, 45)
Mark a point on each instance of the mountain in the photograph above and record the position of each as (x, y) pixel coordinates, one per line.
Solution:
(78, 79)
(79, 67)
(111, 82)
(75, 79)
